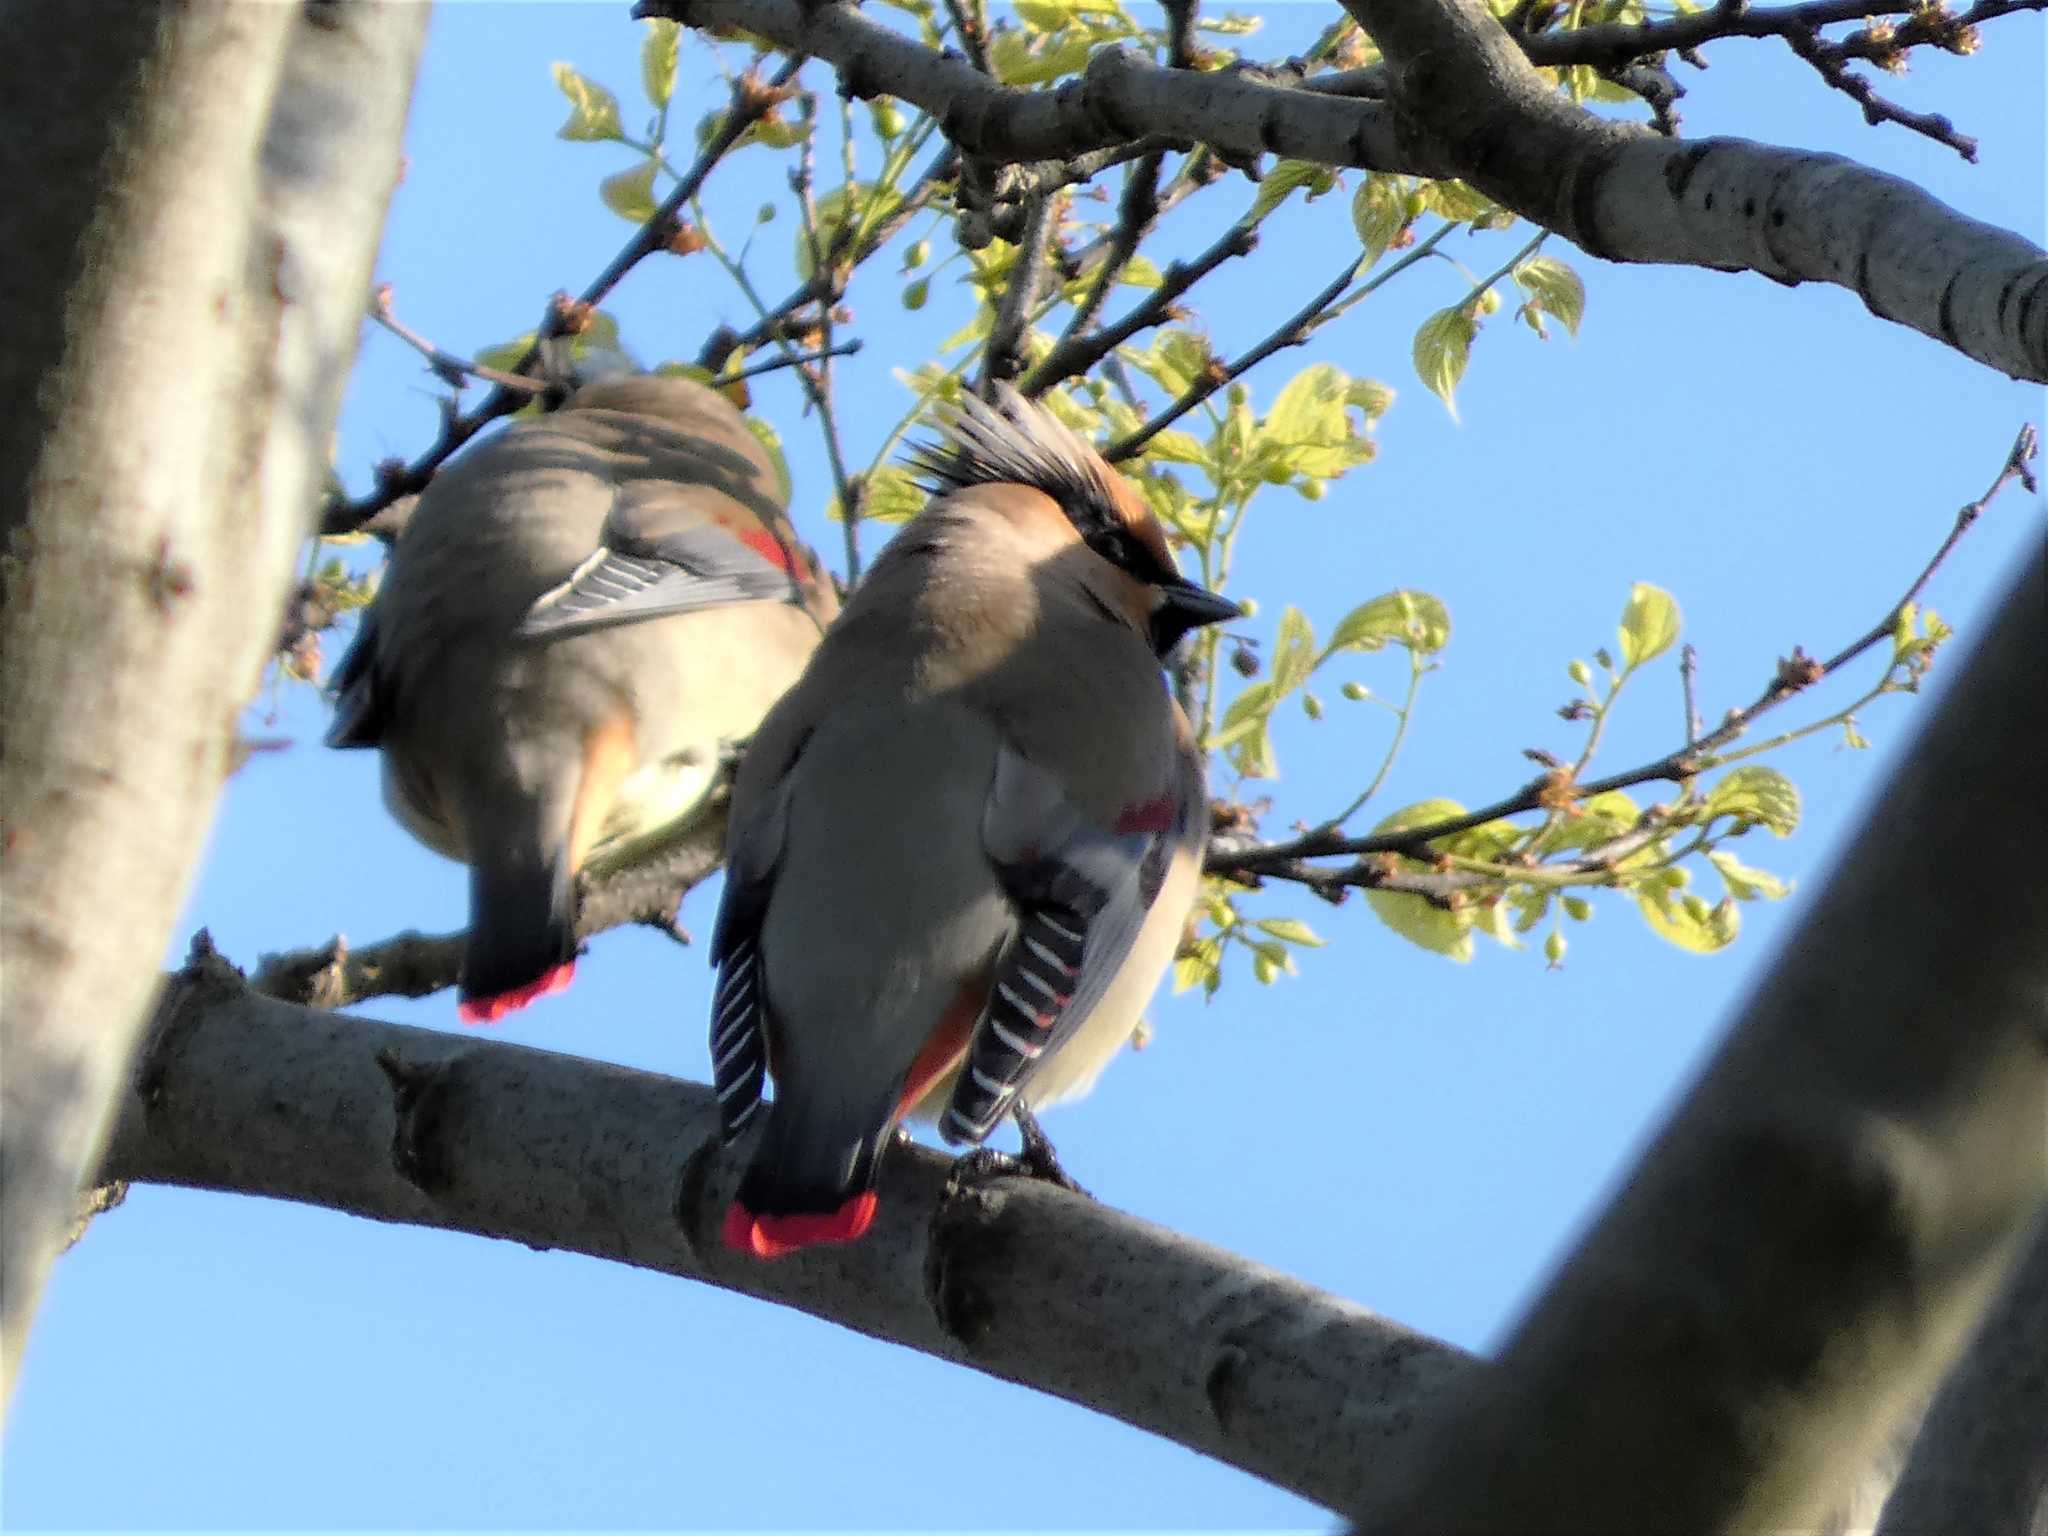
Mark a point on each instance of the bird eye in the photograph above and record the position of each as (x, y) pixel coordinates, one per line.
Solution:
(1115, 546)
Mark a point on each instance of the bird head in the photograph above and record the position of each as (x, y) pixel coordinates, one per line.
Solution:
(1013, 441)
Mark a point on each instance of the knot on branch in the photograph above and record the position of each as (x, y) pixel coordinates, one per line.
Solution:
(419, 1102)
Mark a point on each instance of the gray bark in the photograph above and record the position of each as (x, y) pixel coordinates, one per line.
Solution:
(1980, 1464)
(195, 194)
(1466, 95)
(1798, 1257)
(1022, 1280)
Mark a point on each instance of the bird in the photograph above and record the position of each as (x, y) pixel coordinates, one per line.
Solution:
(964, 846)
(579, 614)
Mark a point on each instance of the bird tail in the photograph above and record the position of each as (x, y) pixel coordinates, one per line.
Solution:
(522, 931)
(809, 1182)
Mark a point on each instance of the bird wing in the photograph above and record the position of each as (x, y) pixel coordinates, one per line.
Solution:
(740, 1019)
(360, 705)
(1082, 893)
(668, 548)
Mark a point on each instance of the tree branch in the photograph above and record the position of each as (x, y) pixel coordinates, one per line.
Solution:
(1121, 96)
(1467, 96)
(1792, 676)
(751, 100)
(202, 186)
(644, 884)
(1018, 1279)
(1803, 1249)
(1470, 104)
(1979, 1466)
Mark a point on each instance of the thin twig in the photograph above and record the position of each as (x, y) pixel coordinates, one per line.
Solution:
(970, 25)
(789, 360)
(1688, 679)
(1182, 51)
(826, 285)
(1877, 109)
(1793, 676)
(1074, 356)
(1135, 214)
(751, 101)
(1292, 332)
(1004, 359)
(450, 368)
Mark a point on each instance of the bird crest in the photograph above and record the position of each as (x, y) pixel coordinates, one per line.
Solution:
(1017, 442)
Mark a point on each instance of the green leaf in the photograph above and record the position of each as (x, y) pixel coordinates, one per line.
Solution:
(1683, 919)
(593, 110)
(1290, 930)
(1294, 652)
(630, 194)
(1310, 409)
(658, 57)
(1200, 966)
(1283, 180)
(1455, 201)
(1745, 883)
(858, 202)
(1443, 346)
(1140, 272)
(1045, 15)
(1601, 818)
(1176, 448)
(1649, 624)
(1370, 396)
(1555, 288)
(771, 441)
(1379, 212)
(1403, 617)
(1415, 919)
(1756, 796)
(891, 496)
(1173, 361)
(1020, 59)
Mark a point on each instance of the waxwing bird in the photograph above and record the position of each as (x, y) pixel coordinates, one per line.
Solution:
(579, 612)
(963, 847)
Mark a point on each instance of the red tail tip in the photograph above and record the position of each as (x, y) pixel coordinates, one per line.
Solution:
(770, 1237)
(488, 1010)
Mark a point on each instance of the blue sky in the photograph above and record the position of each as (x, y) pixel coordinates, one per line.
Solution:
(1419, 1136)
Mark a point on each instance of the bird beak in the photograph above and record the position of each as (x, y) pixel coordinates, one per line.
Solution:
(1185, 606)
(1192, 606)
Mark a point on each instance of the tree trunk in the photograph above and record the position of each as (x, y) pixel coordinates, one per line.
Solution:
(195, 195)
(1800, 1255)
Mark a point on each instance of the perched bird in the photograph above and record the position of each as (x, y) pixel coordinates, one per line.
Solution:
(963, 847)
(578, 613)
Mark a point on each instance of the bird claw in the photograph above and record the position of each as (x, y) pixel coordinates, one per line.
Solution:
(1036, 1161)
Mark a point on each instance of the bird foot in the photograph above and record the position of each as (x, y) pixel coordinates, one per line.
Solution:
(1036, 1161)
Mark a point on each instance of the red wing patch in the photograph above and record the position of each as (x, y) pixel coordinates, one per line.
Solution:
(1154, 815)
(767, 546)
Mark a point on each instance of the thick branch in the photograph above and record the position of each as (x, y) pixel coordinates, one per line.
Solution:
(1018, 1279)
(1802, 1251)
(161, 214)
(1980, 1464)
(1472, 105)
(1468, 96)
(1121, 96)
